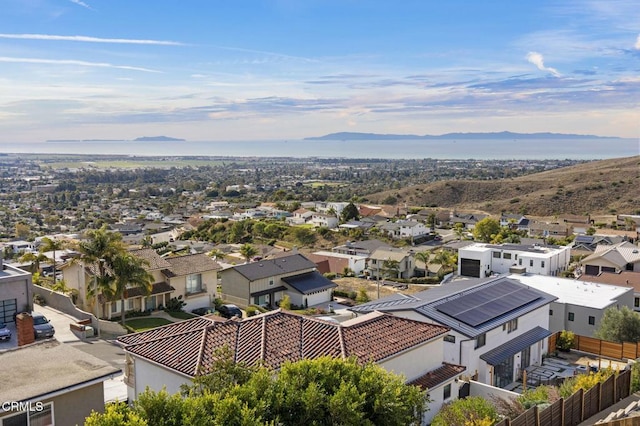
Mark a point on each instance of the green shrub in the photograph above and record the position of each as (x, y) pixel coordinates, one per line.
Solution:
(251, 311)
(566, 340)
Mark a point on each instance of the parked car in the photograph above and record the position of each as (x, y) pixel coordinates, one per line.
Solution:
(229, 311)
(203, 311)
(42, 327)
(5, 333)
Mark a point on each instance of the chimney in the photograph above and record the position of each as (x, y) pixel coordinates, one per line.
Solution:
(24, 328)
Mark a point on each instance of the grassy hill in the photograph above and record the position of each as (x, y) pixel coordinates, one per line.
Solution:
(598, 187)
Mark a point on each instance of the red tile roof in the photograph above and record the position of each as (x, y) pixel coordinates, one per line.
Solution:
(438, 376)
(275, 337)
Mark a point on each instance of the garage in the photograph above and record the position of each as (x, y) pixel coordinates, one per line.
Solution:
(470, 268)
(8, 308)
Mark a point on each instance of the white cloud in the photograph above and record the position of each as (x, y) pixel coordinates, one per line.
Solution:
(536, 59)
(88, 39)
(81, 3)
(637, 45)
(73, 62)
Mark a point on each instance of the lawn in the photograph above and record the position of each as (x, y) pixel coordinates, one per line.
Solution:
(182, 315)
(142, 324)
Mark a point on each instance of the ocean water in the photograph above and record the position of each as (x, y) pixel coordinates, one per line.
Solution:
(484, 149)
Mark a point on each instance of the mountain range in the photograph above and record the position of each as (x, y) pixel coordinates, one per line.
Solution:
(491, 135)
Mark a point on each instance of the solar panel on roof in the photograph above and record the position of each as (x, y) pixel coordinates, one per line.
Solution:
(480, 306)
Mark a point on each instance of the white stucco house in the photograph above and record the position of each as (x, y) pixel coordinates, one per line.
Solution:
(498, 326)
(403, 346)
(480, 260)
(580, 304)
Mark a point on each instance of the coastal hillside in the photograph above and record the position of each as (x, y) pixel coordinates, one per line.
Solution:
(597, 187)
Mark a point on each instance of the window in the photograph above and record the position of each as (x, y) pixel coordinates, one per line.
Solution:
(496, 255)
(511, 325)
(130, 304)
(481, 340)
(571, 316)
(446, 392)
(550, 312)
(450, 338)
(542, 263)
(194, 283)
(38, 415)
(520, 262)
(636, 302)
(530, 262)
(114, 307)
(506, 255)
(592, 320)
(270, 281)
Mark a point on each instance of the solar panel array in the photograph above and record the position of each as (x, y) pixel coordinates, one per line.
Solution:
(478, 307)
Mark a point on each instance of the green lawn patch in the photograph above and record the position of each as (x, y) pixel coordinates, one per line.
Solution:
(182, 315)
(142, 324)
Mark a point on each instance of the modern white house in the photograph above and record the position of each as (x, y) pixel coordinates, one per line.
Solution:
(403, 346)
(481, 260)
(498, 326)
(356, 263)
(16, 292)
(580, 304)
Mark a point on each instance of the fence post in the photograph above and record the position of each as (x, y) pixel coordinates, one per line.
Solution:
(536, 415)
(581, 404)
(562, 411)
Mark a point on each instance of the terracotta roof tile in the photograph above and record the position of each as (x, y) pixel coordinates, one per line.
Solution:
(438, 376)
(276, 337)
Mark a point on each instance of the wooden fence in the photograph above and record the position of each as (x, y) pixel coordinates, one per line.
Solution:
(605, 348)
(579, 406)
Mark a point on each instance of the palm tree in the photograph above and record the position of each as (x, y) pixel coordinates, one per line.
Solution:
(446, 259)
(49, 244)
(35, 260)
(423, 256)
(129, 272)
(99, 251)
(217, 254)
(248, 252)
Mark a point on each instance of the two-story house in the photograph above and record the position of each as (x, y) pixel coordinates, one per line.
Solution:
(391, 262)
(404, 229)
(498, 326)
(324, 220)
(266, 281)
(403, 346)
(481, 260)
(193, 276)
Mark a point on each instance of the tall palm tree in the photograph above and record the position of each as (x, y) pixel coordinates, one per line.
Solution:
(129, 272)
(248, 252)
(49, 244)
(99, 251)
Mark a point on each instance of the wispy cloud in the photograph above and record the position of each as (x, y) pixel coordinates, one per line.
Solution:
(81, 3)
(73, 62)
(536, 59)
(637, 45)
(88, 39)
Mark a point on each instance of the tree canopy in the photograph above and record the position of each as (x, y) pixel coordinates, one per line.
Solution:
(323, 391)
(619, 325)
(486, 229)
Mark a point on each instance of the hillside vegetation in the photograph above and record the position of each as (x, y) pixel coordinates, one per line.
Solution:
(597, 187)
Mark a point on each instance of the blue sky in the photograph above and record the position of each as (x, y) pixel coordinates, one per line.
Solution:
(288, 69)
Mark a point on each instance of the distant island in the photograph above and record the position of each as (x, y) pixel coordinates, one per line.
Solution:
(157, 139)
(140, 139)
(345, 136)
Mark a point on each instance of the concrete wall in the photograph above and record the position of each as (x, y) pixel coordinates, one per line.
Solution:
(416, 362)
(487, 391)
(61, 302)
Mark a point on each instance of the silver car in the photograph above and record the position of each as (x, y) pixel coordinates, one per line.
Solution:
(42, 327)
(5, 333)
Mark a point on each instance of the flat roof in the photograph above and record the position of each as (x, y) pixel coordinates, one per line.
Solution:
(574, 292)
(40, 369)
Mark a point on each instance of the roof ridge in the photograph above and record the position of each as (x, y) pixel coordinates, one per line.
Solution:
(263, 337)
(205, 331)
(178, 333)
(343, 348)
